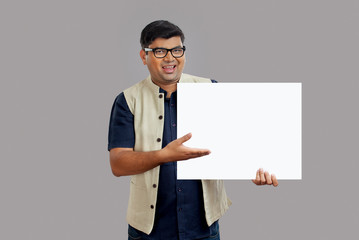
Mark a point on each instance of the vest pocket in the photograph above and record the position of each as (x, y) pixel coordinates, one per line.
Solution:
(133, 179)
(138, 182)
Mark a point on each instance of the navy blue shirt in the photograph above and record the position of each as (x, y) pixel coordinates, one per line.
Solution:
(179, 208)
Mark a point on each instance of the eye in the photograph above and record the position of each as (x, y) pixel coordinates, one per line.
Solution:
(177, 50)
(160, 51)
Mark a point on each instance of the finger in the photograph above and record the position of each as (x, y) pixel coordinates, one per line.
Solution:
(268, 178)
(185, 138)
(274, 180)
(197, 152)
(257, 181)
(261, 173)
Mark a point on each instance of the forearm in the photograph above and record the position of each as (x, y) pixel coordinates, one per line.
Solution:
(125, 163)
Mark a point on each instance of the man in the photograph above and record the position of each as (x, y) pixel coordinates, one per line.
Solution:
(143, 143)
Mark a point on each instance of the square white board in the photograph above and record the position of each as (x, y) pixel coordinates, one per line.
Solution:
(246, 126)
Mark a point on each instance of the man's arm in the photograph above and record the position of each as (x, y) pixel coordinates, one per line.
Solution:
(125, 161)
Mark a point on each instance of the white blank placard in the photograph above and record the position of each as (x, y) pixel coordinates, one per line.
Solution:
(245, 125)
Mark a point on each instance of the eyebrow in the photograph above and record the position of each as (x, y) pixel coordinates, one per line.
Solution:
(179, 46)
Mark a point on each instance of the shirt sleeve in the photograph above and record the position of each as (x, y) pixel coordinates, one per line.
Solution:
(121, 130)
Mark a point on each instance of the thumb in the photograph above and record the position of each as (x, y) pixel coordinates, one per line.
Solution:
(185, 138)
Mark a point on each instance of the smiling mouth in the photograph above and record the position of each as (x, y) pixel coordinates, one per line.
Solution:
(169, 69)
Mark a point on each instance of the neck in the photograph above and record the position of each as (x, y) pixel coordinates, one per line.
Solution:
(169, 88)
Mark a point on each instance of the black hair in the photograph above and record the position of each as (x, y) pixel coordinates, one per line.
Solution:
(159, 29)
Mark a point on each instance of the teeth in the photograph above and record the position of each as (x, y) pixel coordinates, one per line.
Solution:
(169, 67)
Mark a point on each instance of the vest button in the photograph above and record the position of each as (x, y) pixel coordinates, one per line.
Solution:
(160, 117)
(154, 185)
(160, 96)
(152, 207)
(158, 139)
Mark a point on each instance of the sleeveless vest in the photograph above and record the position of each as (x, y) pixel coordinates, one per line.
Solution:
(146, 103)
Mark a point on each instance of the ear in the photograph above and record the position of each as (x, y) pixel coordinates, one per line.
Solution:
(143, 56)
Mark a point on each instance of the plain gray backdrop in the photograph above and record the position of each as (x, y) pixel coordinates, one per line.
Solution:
(62, 63)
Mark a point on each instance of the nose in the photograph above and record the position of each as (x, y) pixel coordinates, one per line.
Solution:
(169, 57)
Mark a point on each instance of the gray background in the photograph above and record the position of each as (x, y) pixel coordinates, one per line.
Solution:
(63, 63)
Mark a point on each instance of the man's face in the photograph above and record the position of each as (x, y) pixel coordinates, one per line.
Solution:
(165, 70)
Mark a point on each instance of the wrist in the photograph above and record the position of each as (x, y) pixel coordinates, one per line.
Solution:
(161, 156)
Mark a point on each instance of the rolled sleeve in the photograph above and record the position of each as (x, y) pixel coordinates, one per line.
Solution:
(121, 130)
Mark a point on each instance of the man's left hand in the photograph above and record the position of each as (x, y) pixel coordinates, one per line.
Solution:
(264, 178)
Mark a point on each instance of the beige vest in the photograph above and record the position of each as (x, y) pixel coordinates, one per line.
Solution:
(146, 104)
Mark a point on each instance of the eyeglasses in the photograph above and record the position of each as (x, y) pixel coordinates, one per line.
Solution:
(176, 52)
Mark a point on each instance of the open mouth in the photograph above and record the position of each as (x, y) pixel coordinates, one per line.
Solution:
(169, 68)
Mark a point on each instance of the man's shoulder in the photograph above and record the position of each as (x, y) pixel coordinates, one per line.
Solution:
(144, 87)
(192, 78)
(142, 91)
(136, 87)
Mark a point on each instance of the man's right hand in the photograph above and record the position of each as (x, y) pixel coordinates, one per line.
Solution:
(176, 151)
(125, 161)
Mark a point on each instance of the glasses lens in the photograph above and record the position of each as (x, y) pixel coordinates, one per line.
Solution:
(160, 52)
(177, 52)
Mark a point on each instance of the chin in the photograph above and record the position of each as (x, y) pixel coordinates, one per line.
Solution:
(172, 78)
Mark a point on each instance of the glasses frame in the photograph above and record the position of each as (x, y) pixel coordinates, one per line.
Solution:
(167, 50)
